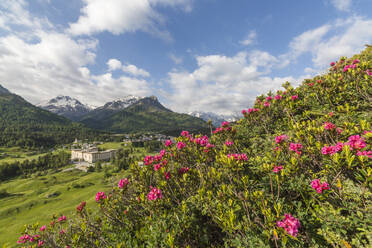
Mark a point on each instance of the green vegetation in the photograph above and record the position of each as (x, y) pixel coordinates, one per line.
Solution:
(23, 124)
(147, 115)
(19, 154)
(294, 172)
(37, 198)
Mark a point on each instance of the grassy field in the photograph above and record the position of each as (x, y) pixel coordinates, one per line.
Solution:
(12, 154)
(36, 199)
(111, 145)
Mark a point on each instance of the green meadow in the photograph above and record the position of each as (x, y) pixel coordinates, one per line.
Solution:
(13, 154)
(36, 199)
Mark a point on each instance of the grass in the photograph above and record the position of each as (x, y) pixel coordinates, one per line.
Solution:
(112, 145)
(36, 199)
(13, 154)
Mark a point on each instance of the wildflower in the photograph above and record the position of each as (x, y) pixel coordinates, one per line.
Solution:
(278, 97)
(203, 141)
(244, 112)
(100, 195)
(319, 81)
(290, 224)
(162, 153)
(332, 64)
(369, 73)
(356, 142)
(148, 160)
(40, 243)
(346, 68)
(280, 138)
(185, 133)
(168, 143)
(239, 157)
(277, 168)
(62, 218)
(267, 104)
(311, 84)
(157, 167)
(209, 145)
(366, 132)
(81, 206)
(154, 194)
(62, 231)
(123, 182)
(183, 170)
(339, 130)
(167, 175)
(229, 143)
(329, 126)
(42, 228)
(356, 61)
(296, 147)
(364, 153)
(180, 145)
(315, 184)
(225, 124)
(295, 97)
(269, 98)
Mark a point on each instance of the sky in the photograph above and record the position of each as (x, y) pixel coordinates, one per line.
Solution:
(194, 55)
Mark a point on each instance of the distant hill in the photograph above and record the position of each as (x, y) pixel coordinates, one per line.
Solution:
(215, 118)
(66, 106)
(24, 124)
(145, 115)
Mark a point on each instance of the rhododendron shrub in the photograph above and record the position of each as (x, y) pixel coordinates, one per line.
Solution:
(288, 174)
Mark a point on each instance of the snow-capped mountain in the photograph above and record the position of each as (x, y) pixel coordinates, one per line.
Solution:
(66, 106)
(121, 103)
(215, 118)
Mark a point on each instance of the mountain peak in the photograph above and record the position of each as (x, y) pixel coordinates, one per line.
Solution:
(3, 90)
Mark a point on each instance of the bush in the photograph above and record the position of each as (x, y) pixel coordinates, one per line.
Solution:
(294, 172)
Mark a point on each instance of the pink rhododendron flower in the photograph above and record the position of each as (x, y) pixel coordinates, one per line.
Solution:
(239, 157)
(315, 184)
(364, 153)
(183, 170)
(209, 145)
(356, 61)
(225, 124)
(296, 147)
(269, 98)
(295, 97)
(154, 194)
(185, 133)
(244, 112)
(290, 224)
(167, 175)
(203, 141)
(40, 243)
(277, 168)
(148, 160)
(311, 84)
(62, 218)
(356, 142)
(278, 97)
(280, 138)
(162, 152)
(332, 64)
(346, 68)
(365, 132)
(123, 182)
(100, 195)
(180, 145)
(168, 143)
(229, 143)
(157, 167)
(329, 126)
(369, 73)
(42, 228)
(267, 104)
(81, 206)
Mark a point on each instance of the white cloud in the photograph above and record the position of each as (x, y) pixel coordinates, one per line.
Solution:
(249, 39)
(223, 84)
(114, 64)
(121, 16)
(343, 37)
(343, 5)
(135, 71)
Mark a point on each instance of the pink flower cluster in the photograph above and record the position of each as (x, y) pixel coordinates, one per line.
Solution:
(224, 128)
(160, 165)
(295, 97)
(157, 158)
(280, 138)
(329, 126)
(154, 194)
(269, 98)
(28, 238)
(296, 147)
(277, 168)
(239, 157)
(62, 218)
(229, 143)
(100, 195)
(330, 150)
(353, 66)
(266, 104)
(369, 73)
(319, 187)
(250, 110)
(202, 141)
(180, 145)
(290, 224)
(278, 97)
(356, 142)
(123, 182)
(168, 143)
(185, 134)
(332, 64)
(364, 153)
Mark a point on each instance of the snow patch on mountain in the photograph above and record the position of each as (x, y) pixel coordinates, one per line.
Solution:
(216, 119)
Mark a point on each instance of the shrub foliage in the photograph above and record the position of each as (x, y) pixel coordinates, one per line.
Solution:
(294, 172)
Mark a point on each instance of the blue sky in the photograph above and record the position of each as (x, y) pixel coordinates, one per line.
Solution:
(209, 55)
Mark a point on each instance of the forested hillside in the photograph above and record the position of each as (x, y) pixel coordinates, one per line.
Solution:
(295, 171)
